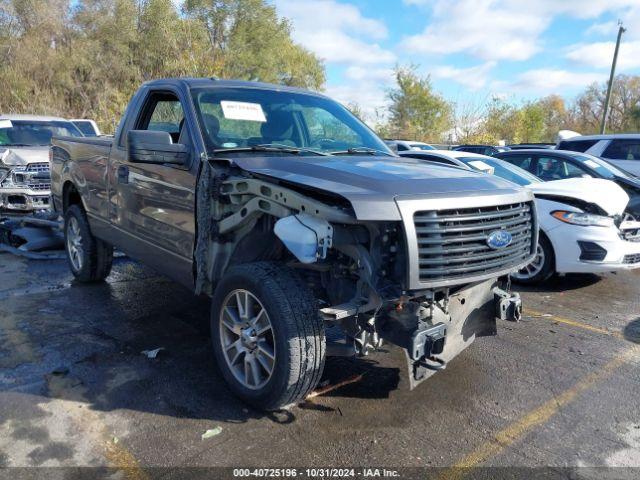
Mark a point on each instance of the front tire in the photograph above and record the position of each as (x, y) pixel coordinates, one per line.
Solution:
(542, 267)
(89, 258)
(268, 337)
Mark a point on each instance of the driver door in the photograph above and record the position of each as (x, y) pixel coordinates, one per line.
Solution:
(156, 201)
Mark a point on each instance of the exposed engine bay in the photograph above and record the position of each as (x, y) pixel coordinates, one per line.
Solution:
(357, 270)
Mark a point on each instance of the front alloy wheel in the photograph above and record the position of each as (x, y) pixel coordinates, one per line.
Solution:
(247, 339)
(74, 244)
(534, 268)
(267, 334)
(542, 266)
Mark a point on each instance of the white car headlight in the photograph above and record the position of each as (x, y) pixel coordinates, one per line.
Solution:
(583, 219)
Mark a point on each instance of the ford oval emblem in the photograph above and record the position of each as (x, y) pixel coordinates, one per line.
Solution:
(499, 239)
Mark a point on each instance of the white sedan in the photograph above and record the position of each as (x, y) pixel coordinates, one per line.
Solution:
(583, 224)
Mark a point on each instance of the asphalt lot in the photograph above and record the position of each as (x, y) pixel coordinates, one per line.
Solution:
(559, 389)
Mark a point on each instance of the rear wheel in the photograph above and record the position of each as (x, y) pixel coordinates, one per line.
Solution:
(542, 266)
(267, 335)
(89, 258)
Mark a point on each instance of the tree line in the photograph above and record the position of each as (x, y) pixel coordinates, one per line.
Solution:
(85, 58)
(416, 111)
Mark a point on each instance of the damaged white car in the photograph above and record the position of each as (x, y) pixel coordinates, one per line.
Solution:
(585, 223)
(25, 182)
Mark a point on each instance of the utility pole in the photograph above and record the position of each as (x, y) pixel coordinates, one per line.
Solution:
(605, 112)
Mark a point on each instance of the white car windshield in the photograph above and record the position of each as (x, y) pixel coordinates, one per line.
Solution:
(603, 168)
(504, 170)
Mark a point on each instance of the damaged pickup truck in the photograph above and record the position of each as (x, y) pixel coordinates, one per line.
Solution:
(24, 160)
(311, 237)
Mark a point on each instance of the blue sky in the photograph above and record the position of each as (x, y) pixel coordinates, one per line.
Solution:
(472, 49)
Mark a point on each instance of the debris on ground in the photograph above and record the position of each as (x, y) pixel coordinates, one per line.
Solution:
(330, 388)
(152, 353)
(211, 433)
(38, 236)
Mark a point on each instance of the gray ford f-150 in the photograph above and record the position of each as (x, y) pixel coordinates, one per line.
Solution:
(309, 234)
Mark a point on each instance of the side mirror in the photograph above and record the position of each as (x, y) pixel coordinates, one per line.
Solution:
(148, 146)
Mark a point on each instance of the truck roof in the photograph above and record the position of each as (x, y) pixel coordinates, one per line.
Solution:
(39, 118)
(214, 82)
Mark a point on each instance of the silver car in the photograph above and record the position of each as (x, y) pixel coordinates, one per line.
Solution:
(25, 182)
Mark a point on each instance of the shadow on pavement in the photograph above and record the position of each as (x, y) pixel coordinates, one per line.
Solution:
(85, 344)
(561, 284)
(632, 331)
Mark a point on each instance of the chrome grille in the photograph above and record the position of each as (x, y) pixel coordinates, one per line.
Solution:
(631, 235)
(38, 167)
(453, 243)
(39, 186)
(631, 259)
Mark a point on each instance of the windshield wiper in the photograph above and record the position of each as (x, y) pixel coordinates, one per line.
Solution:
(361, 151)
(271, 147)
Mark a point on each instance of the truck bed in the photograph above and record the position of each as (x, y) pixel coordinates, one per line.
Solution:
(81, 155)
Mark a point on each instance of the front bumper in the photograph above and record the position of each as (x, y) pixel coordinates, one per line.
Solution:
(471, 312)
(24, 200)
(620, 254)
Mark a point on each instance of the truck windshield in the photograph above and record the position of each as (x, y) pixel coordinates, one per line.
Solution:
(27, 133)
(237, 118)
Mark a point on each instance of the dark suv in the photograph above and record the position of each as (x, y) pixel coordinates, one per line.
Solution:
(488, 150)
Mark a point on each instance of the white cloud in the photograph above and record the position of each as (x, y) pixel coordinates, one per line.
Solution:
(337, 32)
(544, 81)
(474, 78)
(600, 54)
(604, 28)
(370, 96)
(359, 73)
(497, 29)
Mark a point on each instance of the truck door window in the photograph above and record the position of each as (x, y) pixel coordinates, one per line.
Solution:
(623, 150)
(163, 113)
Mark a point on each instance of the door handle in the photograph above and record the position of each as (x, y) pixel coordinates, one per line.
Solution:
(123, 174)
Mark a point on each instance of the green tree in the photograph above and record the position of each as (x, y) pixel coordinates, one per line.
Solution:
(248, 40)
(85, 58)
(530, 123)
(416, 112)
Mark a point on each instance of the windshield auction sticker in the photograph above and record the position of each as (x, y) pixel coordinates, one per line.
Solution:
(592, 164)
(480, 165)
(243, 111)
(6, 124)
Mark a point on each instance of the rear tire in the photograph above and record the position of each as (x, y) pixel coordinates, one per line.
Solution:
(89, 258)
(268, 337)
(542, 267)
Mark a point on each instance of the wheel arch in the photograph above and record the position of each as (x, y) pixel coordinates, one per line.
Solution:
(71, 196)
